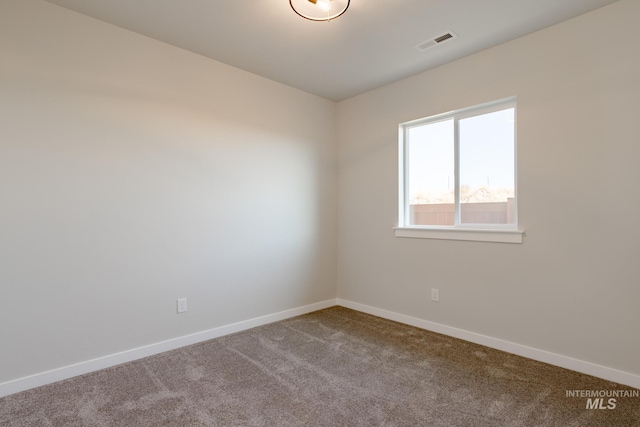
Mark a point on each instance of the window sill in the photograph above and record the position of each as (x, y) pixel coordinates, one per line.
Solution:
(473, 235)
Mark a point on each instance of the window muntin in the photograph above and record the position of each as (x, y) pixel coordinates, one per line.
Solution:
(458, 170)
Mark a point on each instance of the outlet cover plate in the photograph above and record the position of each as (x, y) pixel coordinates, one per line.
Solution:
(182, 305)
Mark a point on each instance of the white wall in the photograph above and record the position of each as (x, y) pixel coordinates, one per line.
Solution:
(573, 287)
(133, 173)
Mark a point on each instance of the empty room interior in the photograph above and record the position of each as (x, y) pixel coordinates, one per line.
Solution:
(175, 174)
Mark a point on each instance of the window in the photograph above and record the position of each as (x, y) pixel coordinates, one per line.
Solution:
(458, 175)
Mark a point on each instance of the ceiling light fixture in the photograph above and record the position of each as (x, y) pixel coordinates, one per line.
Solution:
(319, 10)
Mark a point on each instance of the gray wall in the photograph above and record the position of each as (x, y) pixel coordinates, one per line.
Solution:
(133, 173)
(573, 287)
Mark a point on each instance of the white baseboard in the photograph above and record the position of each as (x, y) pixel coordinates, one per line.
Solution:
(588, 368)
(66, 372)
(63, 373)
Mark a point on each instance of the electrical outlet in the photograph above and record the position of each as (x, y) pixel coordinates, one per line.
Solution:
(182, 305)
(435, 294)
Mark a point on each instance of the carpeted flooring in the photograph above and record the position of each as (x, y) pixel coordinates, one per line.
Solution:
(334, 367)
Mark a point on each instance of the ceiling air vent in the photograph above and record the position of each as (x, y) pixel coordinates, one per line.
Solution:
(450, 35)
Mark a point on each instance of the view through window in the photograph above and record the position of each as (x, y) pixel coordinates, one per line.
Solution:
(458, 169)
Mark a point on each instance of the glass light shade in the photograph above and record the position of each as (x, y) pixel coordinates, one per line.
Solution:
(316, 10)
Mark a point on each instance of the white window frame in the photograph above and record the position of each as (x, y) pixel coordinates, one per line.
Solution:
(503, 233)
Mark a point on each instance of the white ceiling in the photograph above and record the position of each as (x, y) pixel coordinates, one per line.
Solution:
(372, 44)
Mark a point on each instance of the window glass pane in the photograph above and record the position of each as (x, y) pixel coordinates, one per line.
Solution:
(431, 174)
(487, 170)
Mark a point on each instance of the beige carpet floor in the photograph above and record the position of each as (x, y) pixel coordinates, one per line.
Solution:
(334, 367)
